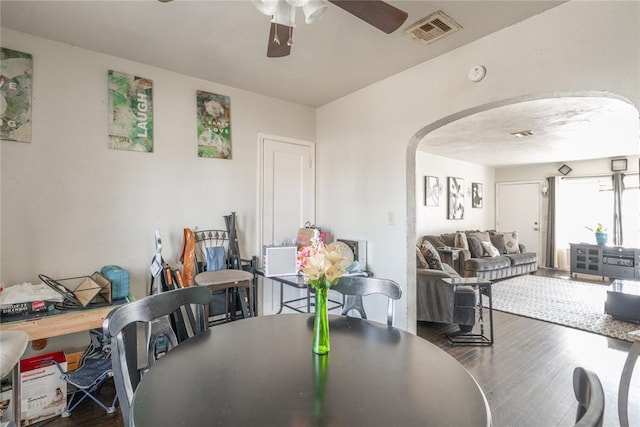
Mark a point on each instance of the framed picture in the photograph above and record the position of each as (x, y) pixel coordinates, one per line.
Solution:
(214, 125)
(431, 191)
(130, 112)
(476, 195)
(455, 207)
(16, 70)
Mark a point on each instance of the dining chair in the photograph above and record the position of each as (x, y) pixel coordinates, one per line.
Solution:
(590, 396)
(355, 287)
(121, 327)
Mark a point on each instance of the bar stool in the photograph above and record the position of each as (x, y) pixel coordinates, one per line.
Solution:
(238, 281)
(12, 347)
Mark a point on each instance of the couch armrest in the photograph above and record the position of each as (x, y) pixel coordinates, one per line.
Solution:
(464, 255)
(522, 248)
(430, 273)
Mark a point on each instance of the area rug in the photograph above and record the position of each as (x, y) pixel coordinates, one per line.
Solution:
(565, 302)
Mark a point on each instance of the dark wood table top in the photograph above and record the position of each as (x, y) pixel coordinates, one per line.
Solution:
(261, 371)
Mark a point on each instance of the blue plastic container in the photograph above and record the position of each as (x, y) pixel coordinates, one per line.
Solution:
(119, 278)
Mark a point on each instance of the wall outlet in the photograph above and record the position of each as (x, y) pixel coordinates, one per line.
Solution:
(391, 218)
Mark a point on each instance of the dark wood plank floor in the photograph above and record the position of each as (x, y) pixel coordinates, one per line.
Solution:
(526, 375)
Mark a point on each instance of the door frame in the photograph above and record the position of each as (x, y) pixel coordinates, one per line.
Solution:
(540, 215)
(261, 137)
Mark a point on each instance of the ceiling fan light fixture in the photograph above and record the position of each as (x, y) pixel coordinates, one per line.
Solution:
(297, 3)
(267, 7)
(285, 14)
(314, 9)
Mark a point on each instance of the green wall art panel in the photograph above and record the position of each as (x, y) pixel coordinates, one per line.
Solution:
(16, 72)
(214, 125)
(130, 112)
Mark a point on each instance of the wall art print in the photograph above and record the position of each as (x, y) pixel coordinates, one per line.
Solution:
(130, 112)
(476, 195)
(455, 198)
(16, 73)
(431, 191)
(214, 125)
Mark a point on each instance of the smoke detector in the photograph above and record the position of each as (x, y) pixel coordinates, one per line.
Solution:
(433, 27)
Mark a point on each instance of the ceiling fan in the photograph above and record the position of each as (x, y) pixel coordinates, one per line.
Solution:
(382, 15)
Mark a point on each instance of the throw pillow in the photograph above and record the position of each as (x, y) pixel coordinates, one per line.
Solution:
(475, 247)
(497, 240)
(431, 256)
(490, 249)
(511, 242)
(420, 261)
(483, 236)
(460, 241)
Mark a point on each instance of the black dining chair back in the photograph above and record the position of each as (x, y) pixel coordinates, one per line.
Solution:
(121, 328)
(355, 287)
(590, 396)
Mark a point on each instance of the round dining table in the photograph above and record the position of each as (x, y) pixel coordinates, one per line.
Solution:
(261, 371)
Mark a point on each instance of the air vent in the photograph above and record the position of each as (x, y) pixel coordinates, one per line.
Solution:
(433, 27)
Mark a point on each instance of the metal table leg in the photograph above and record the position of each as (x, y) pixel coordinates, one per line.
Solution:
(625, 382)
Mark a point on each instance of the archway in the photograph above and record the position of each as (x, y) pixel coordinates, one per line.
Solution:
(428, 129)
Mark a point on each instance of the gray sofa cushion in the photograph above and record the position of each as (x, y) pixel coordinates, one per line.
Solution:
(519, 259)
(488, 263)
(448, 239)
(436, 241)
(475, 247)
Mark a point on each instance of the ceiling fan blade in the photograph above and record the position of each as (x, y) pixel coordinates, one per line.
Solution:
(381, 15)
(283, 34)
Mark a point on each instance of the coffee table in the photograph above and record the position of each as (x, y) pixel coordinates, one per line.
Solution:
(484, 287)
(623, 300)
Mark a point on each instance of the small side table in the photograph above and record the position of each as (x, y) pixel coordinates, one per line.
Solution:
(483, 286)
(451, 256)
(625, 378)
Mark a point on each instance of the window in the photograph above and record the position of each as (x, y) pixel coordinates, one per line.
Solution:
(584, 202)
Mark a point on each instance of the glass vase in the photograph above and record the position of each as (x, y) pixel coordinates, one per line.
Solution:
(321, 322)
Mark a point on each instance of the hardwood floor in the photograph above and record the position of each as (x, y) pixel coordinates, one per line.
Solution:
(526, 376)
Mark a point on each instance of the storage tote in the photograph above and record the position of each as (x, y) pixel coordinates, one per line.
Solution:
(119, 278)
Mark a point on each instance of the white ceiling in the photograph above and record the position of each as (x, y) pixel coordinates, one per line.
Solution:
(564, 129)
(225, 42)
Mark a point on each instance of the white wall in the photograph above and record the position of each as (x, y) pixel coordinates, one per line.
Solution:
(71, 205)
(433, 220)
(366, 141)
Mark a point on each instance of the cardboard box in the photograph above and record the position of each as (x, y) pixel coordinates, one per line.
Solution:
(43, 390)
(73, 360)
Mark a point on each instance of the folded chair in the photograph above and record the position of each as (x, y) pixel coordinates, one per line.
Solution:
(95, 369)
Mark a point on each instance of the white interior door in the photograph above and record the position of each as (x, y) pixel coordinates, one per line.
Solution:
(287, 192)
(518, 208)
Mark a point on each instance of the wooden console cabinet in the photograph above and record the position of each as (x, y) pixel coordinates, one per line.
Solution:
(607, 261)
